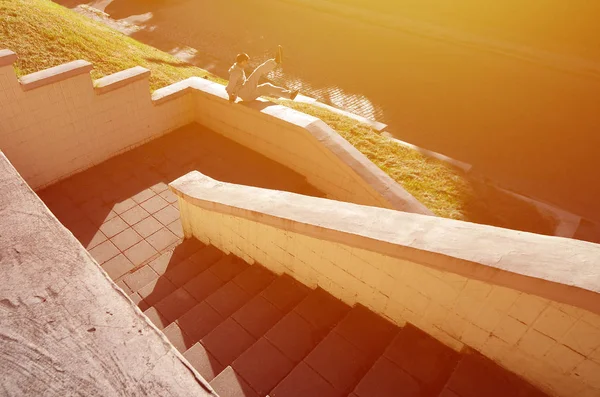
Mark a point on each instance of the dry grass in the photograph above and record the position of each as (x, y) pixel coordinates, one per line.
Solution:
(44, 34)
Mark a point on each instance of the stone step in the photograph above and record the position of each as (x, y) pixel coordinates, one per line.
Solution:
(343, 357)
(414, 364)
(272, 298)
(273, 355)
(477, 375)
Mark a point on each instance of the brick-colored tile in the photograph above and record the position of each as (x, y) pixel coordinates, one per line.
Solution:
(126, 239)
(366, 330)
(123, 205)
(254, 279)
(121, 284)
(423, 357)
(134, 215)
(157, 319)
(140, 278)
(154, 204)
(167, 215)
(104, 251)
(294, 336)
(257, 316)
(168, 196)
(142, 196)
(159, 187)
(175, 304)
(177, 338)
(203, 285)
(227, 341)
(226, 268)
(113, 227)
(139, 302)
(117, 266)
(183, 273)
(165, 262)
(227, 299)
(303, 381)
(147, 227)
(188, 247)
(176, 228)
(204, 362)
(338, 361)
(262, 366)
(322, 310)
(199, 321)
(230, 384)
(156, 290)
(162, 239)
(140, 253)
(95, 240)
(284, 292)
(385, 379)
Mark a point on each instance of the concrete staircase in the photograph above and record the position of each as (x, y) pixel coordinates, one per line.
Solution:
(252, 333)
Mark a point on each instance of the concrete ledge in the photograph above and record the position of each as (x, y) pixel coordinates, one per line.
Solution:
(7, 57)
(559, 269)
(372, 123)
(120, 79)
(383, 184)
(65, 327)
(55, 74)
(171, 92)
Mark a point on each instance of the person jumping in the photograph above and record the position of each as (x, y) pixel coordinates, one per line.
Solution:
(249, 89)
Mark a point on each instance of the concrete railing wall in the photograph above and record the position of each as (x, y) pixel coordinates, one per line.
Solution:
(57, 122)
(529, 302)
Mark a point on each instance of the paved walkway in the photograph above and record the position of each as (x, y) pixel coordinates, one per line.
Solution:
(124, 214)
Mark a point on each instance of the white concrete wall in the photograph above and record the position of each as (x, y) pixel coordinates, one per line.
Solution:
(305, 144)
(63, 125)
(553, 344)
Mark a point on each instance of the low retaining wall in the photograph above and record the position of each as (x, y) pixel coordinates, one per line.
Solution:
(529, 302)
(65, 328)
(57, 122)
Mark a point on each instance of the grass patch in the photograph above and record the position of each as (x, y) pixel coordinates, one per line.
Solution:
(45, 34)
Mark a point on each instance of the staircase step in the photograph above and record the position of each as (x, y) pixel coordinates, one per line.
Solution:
(263, 366)
(322, 310)
(423, 357)
(204, 284)
(231, 384)
(194, 265)
(227, 341)
(175, 304)
(477, 375)
(156, 290)
(177, 337)
(257, 316)
(366, 330)
(294, 336)
(199, 321)
(203, 361)
(227, 299)
(339, 362)
(386, 379)
(303, 381)
(285, 293)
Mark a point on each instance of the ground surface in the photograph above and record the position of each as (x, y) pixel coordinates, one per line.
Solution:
(529, 121)
(122, 210)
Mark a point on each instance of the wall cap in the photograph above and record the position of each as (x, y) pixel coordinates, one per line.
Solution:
(556, 268)
(55, 74)
(120, 79)
(7, 57)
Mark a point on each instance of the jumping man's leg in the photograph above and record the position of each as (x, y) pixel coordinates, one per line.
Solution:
(272, 90)
(260, 71)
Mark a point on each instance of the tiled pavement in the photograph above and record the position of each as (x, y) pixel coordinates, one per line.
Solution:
(247, 331)
(124, 214)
